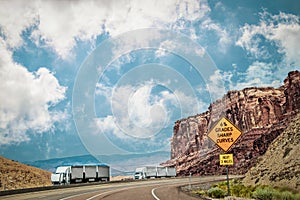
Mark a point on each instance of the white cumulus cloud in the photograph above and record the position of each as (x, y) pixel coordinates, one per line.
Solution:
(283, 30)
(225, 39)
(60, 24)
(26, 99)
(134, 114)
(216, 85)
(280, 32)
(259, 74)
(137, 112)
(16, 17)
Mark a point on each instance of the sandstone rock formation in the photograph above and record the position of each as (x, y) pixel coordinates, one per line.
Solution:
(280, 165)
(261, 113)
(15, 175)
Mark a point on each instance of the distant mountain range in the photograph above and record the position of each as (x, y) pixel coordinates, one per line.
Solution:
(120, 164)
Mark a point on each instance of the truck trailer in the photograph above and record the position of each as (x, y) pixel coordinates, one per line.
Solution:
(80, 173)
(154, 172)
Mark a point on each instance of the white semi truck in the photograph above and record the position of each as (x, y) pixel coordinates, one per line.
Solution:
(80, 173)
(154, 172)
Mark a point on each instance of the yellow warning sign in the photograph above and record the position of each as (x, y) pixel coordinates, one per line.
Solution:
(224, 134)
(226, 159)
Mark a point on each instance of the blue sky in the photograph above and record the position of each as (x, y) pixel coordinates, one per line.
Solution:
(112, 77)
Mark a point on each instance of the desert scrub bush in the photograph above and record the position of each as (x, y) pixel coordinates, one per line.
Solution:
(264, 193)
(216, 192)
(297, 196)
(239, 190)
(285, 195)
(199, 192)
(222, 185)
(269, 193)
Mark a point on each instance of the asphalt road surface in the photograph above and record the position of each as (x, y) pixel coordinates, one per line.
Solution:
(155, 189)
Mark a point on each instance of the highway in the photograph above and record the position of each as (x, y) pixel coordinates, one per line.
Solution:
(154, 189)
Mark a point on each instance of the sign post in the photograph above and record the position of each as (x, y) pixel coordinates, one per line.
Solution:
(225, 134)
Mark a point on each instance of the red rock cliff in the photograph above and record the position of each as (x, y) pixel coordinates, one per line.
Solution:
(261, 113)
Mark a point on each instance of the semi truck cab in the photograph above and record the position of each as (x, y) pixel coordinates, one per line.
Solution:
(139, 173)
(62, 175)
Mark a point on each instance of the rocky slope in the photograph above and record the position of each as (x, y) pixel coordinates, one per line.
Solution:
(15, 175)
(261, 113)
(280, 165)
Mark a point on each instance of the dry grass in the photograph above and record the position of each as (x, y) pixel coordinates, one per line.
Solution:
(280, 166)
(15, 175)
(121, 178)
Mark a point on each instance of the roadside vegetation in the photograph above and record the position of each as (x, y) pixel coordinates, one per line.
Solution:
(237, 189)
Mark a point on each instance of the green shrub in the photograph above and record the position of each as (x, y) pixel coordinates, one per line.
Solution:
(199, 192)
(285, 195)
(237, 189)
(216, 192)
(269, 193)
(297, 196)
(240, 190)
(222, 185)
(264, 193)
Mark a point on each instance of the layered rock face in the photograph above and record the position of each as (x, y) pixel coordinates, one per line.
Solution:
(261, 113)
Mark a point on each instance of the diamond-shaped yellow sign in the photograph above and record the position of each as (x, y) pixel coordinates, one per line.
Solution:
(224, 134)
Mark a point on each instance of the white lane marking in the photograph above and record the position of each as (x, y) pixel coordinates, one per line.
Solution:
(153, 194)
(97, 195)
(69, 197)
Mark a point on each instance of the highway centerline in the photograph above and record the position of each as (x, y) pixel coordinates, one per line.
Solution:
(153, 194)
